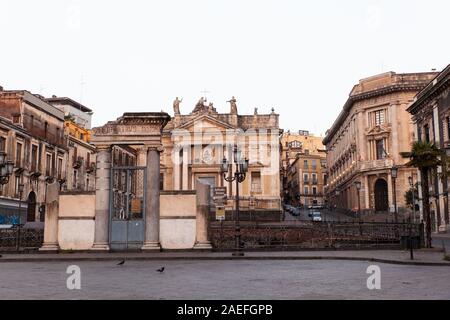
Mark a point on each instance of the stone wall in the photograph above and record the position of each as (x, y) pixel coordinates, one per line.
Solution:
(178, 219)
(177, 225)
(76, 221)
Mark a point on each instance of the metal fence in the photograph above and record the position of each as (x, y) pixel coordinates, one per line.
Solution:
(15, 238)
(314, 235)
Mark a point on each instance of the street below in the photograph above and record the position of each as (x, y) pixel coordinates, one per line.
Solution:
(188, 279)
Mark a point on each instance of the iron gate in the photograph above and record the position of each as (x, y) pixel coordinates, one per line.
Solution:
(127, 209)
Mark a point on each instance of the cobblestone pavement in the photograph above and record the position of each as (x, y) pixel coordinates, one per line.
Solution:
(222, 280)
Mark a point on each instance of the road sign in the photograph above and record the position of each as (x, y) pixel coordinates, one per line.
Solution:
(220, 195)
(220, 213)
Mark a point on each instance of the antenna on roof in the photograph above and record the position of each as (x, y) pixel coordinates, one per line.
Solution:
(82, 83)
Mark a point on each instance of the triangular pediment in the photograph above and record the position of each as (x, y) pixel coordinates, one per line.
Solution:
(377, 130)
(205, 122)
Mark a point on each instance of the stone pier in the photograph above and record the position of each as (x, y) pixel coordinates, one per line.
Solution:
(51, 218)
(102, 198)
(203, 193)
(152, 204)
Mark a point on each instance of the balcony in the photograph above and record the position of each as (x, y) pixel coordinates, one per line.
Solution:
(77, 162)
(90, 167)
(376, 164)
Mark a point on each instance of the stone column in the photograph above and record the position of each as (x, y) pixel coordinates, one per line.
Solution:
(152, 200)
(102, 198)
(202, 217)
(51, 218)
(141, 157)
(390, 195)
(366, 192)
(186, 151)
(176, 168)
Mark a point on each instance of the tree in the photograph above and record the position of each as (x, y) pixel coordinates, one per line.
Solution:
(425, 156)
(409, 195)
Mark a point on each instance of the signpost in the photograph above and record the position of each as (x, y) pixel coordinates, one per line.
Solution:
(220, 198)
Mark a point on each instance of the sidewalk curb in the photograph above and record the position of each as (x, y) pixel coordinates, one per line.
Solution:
(225, 258)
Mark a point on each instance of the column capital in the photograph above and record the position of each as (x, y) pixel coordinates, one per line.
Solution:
(158, 148)
(103, 147)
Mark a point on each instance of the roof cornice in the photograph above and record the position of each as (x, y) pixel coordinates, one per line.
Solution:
(431, 91)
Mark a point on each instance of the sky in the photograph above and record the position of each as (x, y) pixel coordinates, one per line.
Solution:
(301, 58)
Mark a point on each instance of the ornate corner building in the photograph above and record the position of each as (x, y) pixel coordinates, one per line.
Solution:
(431, 117)
(365, 142)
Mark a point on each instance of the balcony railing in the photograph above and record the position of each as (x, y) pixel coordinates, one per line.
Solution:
(375, 164)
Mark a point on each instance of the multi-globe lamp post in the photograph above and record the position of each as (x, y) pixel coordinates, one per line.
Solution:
(6, 168)
(394, 173)
(358, 190)
(413, 191)
(239, 177)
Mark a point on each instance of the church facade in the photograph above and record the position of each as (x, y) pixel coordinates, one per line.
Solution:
(195, 144)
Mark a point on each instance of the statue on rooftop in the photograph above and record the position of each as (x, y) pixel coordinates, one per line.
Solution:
(233, 106)
(176, 105)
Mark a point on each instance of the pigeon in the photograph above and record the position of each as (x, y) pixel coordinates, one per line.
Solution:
(161, 270)
(121, 263)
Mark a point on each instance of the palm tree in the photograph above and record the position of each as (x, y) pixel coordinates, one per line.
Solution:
(425, 156)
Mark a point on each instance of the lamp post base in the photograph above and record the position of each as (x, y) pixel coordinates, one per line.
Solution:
(237, 254)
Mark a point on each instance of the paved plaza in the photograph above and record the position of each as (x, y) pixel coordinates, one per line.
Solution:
(245, 279)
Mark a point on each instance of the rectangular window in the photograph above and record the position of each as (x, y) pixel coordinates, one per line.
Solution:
(305, 178)
(34, 158)
(306, 190)
(419, 134)
(75, 154)
(305, 164)
(75, 178)
(381, 154)
(19, 155)
(60, 164)
(427, 133)
(16, 118)
(48, 165)
(448, 127)
(58, 135)
(314, 178)
(378, 117)
(314, 190)
(16, 187)
(2, 144)
(161, 181)
(314, 164)
(256, 182)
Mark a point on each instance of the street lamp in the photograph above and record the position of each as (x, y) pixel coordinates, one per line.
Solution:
(394, 173)
(338, 192)
(411, 184)
(20, 188)
(358, 189)
(6, 168)
(239, 177)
